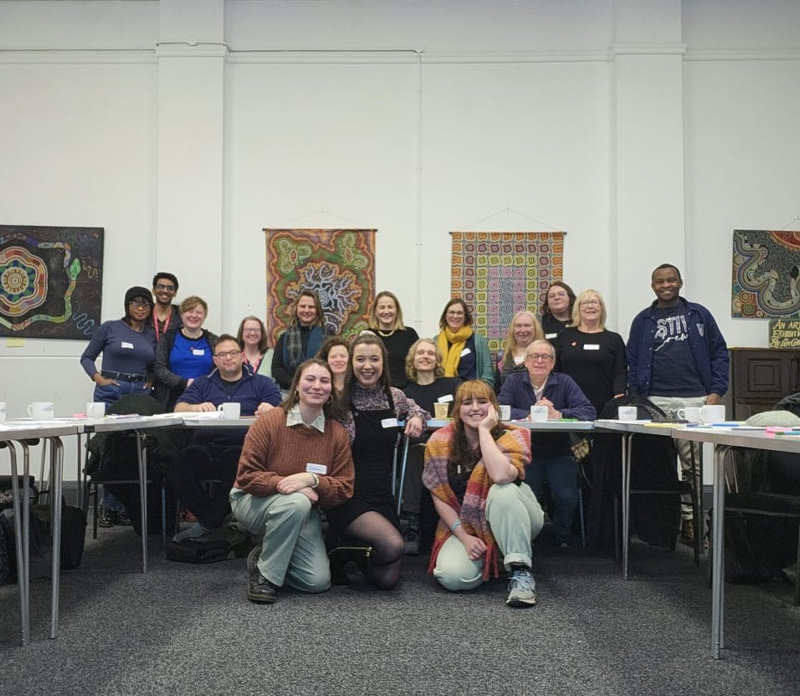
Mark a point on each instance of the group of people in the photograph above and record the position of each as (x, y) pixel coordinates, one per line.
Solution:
(324, 441)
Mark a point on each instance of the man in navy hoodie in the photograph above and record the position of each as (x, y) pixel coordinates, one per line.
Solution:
(677, 357)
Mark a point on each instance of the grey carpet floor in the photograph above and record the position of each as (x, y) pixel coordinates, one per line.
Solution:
(185, 629)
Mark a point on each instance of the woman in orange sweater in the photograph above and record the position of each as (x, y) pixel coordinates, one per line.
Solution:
(294, 459)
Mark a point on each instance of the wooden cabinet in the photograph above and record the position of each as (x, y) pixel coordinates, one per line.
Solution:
(759, 378)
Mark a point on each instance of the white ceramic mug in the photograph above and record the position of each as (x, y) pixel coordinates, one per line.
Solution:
(2, 411)
(505, 412)
(230, 409)
(539, 414)
(712, 414)
(41, 410)
(95, 409)
(627, 413)
(690, 414)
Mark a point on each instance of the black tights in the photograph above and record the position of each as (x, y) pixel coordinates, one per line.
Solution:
(383, 568)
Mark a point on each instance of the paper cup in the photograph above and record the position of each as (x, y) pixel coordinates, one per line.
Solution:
(440, 410)
(505, 413)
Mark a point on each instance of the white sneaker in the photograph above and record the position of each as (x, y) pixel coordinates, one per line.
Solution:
(521, 588)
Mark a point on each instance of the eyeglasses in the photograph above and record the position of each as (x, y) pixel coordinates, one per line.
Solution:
(553, 295)
(535, 357)
(253, 331)
(228, 354)
(139, 304)
(168, 288)
(590, 303)
(452, 313)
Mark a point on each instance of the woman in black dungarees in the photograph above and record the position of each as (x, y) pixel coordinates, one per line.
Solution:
(373, 411)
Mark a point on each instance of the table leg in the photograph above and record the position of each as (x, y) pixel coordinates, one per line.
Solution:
(627, 448)
(718, 560)
(56, 486)
(141, 452)
(22, 583)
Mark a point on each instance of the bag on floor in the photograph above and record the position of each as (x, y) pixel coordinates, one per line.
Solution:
(217, 545)
(41, 546)
(73, 532)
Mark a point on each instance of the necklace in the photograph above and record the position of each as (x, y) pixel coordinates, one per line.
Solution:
(386, 334)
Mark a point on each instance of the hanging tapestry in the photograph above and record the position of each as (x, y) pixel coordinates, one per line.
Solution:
(500, 273)
(766, 274)
(339, 265)
(51, 279)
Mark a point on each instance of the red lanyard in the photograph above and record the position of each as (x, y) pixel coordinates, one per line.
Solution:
(166, 322)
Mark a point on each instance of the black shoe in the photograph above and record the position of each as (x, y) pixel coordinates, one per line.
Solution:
(123, 520)
(260, 590)
(106, 517)
(411, 540)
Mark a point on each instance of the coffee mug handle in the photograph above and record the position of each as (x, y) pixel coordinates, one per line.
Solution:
(219, 408)
(681, 413)
(30, 410)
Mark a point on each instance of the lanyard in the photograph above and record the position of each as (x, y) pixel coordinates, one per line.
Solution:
(166, 323)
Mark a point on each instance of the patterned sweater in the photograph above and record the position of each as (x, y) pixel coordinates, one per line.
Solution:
(515, 443)
(272, 451)
(375, 400)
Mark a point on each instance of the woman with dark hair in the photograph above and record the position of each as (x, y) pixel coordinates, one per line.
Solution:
(253, 336)
(128, 346)
(386, 320)
(475, 470)
(295, 460)
(557, 309)
(302, 340)
(183, 354)
(373, 409)
(465, 351)
(336, 352)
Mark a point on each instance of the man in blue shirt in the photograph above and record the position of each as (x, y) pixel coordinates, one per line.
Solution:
(677, 357)
(214, 453)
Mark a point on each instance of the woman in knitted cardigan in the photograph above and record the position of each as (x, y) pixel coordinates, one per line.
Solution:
(475, 470)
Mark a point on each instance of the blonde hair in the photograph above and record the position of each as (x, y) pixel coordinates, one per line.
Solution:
(576, 310)
(411, 371)
(373, 316)
(511, 343)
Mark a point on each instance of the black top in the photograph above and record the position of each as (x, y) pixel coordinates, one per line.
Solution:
(425, 395)
(596, 361)
(397, 346)
(552, 327)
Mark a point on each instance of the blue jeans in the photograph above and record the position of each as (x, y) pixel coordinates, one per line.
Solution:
(111, 393)
(561, 475)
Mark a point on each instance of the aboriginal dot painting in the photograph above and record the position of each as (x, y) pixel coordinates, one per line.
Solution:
(50, 281)
(766, 274)
(339, 265)
(500, 273)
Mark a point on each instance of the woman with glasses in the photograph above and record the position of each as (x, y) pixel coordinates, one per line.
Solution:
(465, 351)
(184, 354)
(253, 336)
(557, 306)
(591, 354)
(302, 340)
(128, 346)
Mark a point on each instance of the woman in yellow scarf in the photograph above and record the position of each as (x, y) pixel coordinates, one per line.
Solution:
(465, 351)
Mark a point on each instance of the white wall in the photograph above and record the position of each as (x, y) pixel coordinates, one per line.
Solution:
(414, 117)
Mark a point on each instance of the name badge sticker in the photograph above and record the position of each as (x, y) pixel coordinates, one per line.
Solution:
(198, 351)
(466, 351)
(592, 346)
(312, 468)
(127, 345)
(447, 398)
(389, 422)
(550, 335)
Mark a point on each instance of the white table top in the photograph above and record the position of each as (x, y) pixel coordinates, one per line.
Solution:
(734, 437)
(638, 426)
(27, 429)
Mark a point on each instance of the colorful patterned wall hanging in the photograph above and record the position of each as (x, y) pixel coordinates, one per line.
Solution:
(339, 265)
(52, 280)
(500, 273)
(766, 274)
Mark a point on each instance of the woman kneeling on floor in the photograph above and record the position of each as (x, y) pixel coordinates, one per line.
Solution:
(475, 471)
(294, 459)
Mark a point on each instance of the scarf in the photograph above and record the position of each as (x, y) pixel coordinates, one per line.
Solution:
(515, 443)
(450, 344)
(293, 345)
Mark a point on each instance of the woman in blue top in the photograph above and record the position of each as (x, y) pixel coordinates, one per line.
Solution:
(183, 354)
(128, 347)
